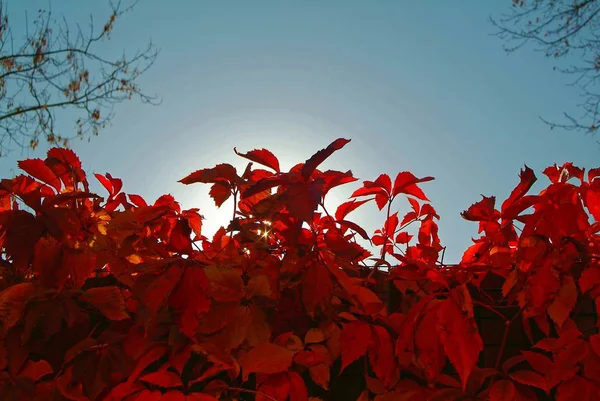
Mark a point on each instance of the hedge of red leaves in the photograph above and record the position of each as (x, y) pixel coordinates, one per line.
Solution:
(118, 299)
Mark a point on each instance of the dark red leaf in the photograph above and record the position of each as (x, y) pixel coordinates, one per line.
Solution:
(108, 300)
(163, 379)
(355, 341)
(319, 157)
(261, 156)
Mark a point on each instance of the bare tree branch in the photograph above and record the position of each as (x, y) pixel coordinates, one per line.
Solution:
(52, 70)
(569, 32)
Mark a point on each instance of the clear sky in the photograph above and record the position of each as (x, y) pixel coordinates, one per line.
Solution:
(419, 86)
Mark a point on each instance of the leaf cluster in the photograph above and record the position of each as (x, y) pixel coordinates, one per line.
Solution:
(117, 298)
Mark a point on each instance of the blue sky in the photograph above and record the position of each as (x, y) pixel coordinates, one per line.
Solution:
(417, 86)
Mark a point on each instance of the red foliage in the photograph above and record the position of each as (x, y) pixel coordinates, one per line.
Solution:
(118, 299)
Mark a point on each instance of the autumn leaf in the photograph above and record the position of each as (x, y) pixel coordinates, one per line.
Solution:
(266, 358)
(347, 207)
(527, 178)
(226, 284)
(180, 238)
(316, 288)
(428, 348)
(36, 370)
(382, 357)
(529, 378)
(144, 361)
(565, 301)
(258, 286)
(406, 183)
(314, 336)
(590, 278)
(108, 300)
(355, 341)
(503, 390)
(577, 388)
(460, 338)
(315, 160)
(321, 375)
(482, 210)
(38, 169)
(220, 173)
(158, 291)
(162, 378)
(189, 299)
(12, 303)
(261, 156)
(298, 390)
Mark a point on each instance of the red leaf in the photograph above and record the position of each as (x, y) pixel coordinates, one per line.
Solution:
(539, 362)
(112, 185)
(346, 207)
(261, 156)
(303, 199)
(405, 183)
(381, 200)
(12, 303)
(137, 200)
(163, 379)
(428, 348)
(410, 216)
(529, 378)
(382, 357)
(319, 157)
(595, 343)
(503, 390)
(223, 173)
(369, 188)
(334, 179)
(565, 301)
(590, 278)
(149, 357)
(190, 300)
(317, 286)
(314, 336)
(36, 370)
(361, 231)
(159, 290)
(461, 340)
(38, 169)
(528, 178)
(355, 341)
(384, 181)
(482, 210)
(578, 389)
(298, 391)
(180, 238)
(108, 300)
(226, 284)
(266, 358)
(390, 225)
(403, 237)
(220, 192)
